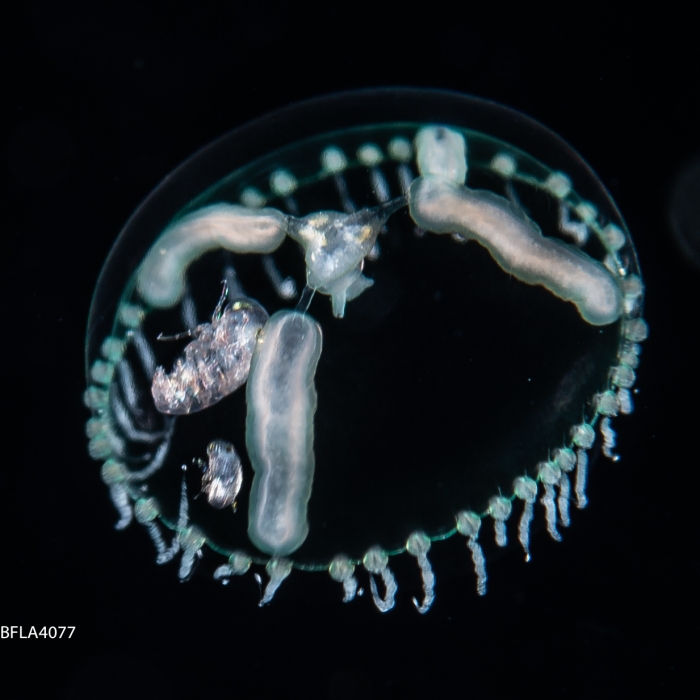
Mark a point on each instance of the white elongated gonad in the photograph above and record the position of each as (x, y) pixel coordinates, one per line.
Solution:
(280, 431)
(161, 277)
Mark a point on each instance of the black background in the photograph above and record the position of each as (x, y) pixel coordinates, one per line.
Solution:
(101, 101)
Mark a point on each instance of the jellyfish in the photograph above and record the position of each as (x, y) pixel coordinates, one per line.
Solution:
(431, 316)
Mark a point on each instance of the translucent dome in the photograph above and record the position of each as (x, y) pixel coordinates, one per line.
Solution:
(430, 304)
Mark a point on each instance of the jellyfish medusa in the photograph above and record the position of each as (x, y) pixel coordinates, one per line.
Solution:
(431, 314)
